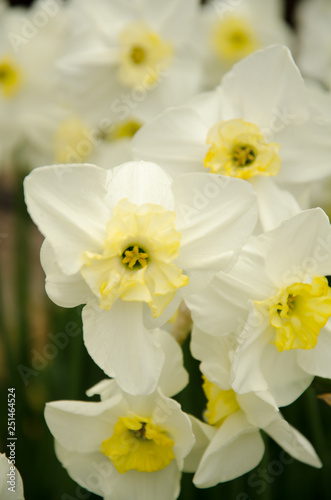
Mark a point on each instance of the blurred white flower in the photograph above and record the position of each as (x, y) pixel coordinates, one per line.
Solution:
(231, 31)
(131, 59)
(277, 301)
(237, 445)
(265, 131)
(30, 42)
(131, 243)
(314, 40)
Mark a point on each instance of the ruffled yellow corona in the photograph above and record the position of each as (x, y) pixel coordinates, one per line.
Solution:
(138, 444)
(220, 403)
(298, 313)
(136, 263)
(238, 149)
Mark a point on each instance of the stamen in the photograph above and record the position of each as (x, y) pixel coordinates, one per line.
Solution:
(138, 54)
(243, 155)
(135, 257)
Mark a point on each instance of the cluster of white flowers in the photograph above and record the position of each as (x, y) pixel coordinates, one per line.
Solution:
(198, 197)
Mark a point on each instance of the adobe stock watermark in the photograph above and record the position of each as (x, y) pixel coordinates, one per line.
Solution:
(49, 351)
(32, 24)
(224, 7)
(101, 471)
(263, 476)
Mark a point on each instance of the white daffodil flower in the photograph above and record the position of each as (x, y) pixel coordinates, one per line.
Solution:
(28, 51)
(236, 446)
(125, 446)
(11, 485)
(231, 31)
(277, 300)
(131, 60)
(263, 131)
(131, 243)
(314, 40)
(60, 135)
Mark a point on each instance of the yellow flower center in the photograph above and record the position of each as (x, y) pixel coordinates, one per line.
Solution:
(138, 54)
(122, 130)
(11, 79)
(233, 39)
(136, 262)
(238, 149)
(144, 55)
(134, 257)
(298, 313)
(220, 403)
(138, 444)
(72, 141)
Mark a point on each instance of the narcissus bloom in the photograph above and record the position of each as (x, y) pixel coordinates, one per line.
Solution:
(231, 31)
(237, 445)
(264, 131)
(131, 243)
(126, 446)
(278, 302)
(143, 64)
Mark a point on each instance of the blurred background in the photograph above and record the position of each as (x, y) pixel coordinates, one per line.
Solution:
(43, 357)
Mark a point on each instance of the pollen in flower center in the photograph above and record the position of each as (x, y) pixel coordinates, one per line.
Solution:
(144, 55)
(10, 77)
(134, 257)
(138, 54)
(136, 262)
(298, 313)
(238, 149)
(243, 155)
(138, 444)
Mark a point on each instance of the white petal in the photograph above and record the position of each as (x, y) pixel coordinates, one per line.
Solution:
(305, 151)
(175, 140)
(216, 215)
(167, 413)
(236, 449)
(119, 343)
(293, 442)
(203, 433)
(273, 89)
(63, 289)
(68, 204)
(141, 182)
(173, 377)
(93, 471)
(285, 378)
(69, 421)
(160, 485)
(246, 373)
(260, 408)
(213, 352)
(317, 361)
(301, 248)
(275, 205)
(223, 306)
